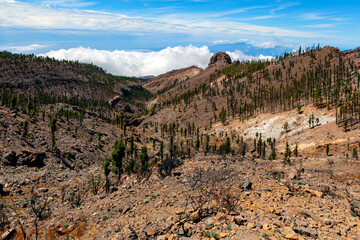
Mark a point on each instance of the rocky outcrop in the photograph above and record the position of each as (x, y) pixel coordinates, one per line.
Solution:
(25, 158)
(2, 192)
(115, 100)
(10, 159)
(220, 59)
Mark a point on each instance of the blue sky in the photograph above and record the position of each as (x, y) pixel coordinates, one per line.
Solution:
(245, 28)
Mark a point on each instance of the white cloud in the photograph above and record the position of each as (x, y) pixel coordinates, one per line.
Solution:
(239, 55)
(67, 3)
(265, 44)
(276, 43)
(312, 16)
(26, 15)
(137, 63)
(21, 49)
(223, 41)
(325, 25)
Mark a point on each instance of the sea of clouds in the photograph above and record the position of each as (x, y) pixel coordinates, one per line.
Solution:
(145, 63)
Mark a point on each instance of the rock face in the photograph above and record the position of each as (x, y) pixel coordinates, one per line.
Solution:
(25, 158)
(114, 100)
(10, 159)
(220, 59)
(2, 192)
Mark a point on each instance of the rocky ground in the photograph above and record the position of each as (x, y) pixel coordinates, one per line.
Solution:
(59, 194)
(208, 196)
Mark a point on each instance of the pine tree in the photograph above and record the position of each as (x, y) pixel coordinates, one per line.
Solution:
(296, 153)
(13, 101)
(222, 115)
(286, 126)
(106, 173)
(162, 150)
(272, 155)
(118, 155)
(287, 153)
(207, 146)
(354, 153)
(26, 128)
(171, 146)
(144, 159)
(4, 97)
(197, 143)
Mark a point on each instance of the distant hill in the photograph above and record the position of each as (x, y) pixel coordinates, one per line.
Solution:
(67, 81)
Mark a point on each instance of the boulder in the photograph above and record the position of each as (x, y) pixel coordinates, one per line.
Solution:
(246, 185)
(240, 220)
(220, 216)
(8, 235)
(151, 231)
(306, 232)
(195, 216)
(25, 158)
(2, 192)
(292, 175)
(32, 159)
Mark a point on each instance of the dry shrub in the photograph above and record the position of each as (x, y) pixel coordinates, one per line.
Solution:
(77, 194)
(3, 216)
(214, 191)
(95, 182)
(39, 205)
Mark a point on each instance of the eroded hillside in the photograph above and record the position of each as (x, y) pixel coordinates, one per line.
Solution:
(242, 150)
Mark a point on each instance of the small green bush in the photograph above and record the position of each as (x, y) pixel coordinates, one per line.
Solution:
(215, 235)
(207, 234)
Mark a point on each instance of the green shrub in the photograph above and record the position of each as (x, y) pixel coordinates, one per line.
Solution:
(215, 235)
(207, 234)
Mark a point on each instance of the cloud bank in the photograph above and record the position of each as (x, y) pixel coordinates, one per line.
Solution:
(137, 63)
(24, 48)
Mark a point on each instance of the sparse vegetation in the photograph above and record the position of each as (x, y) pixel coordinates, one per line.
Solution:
(206, 127)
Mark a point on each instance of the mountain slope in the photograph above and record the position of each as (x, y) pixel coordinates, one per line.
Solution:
(242, 150)
(318, 76)
(66, 81)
